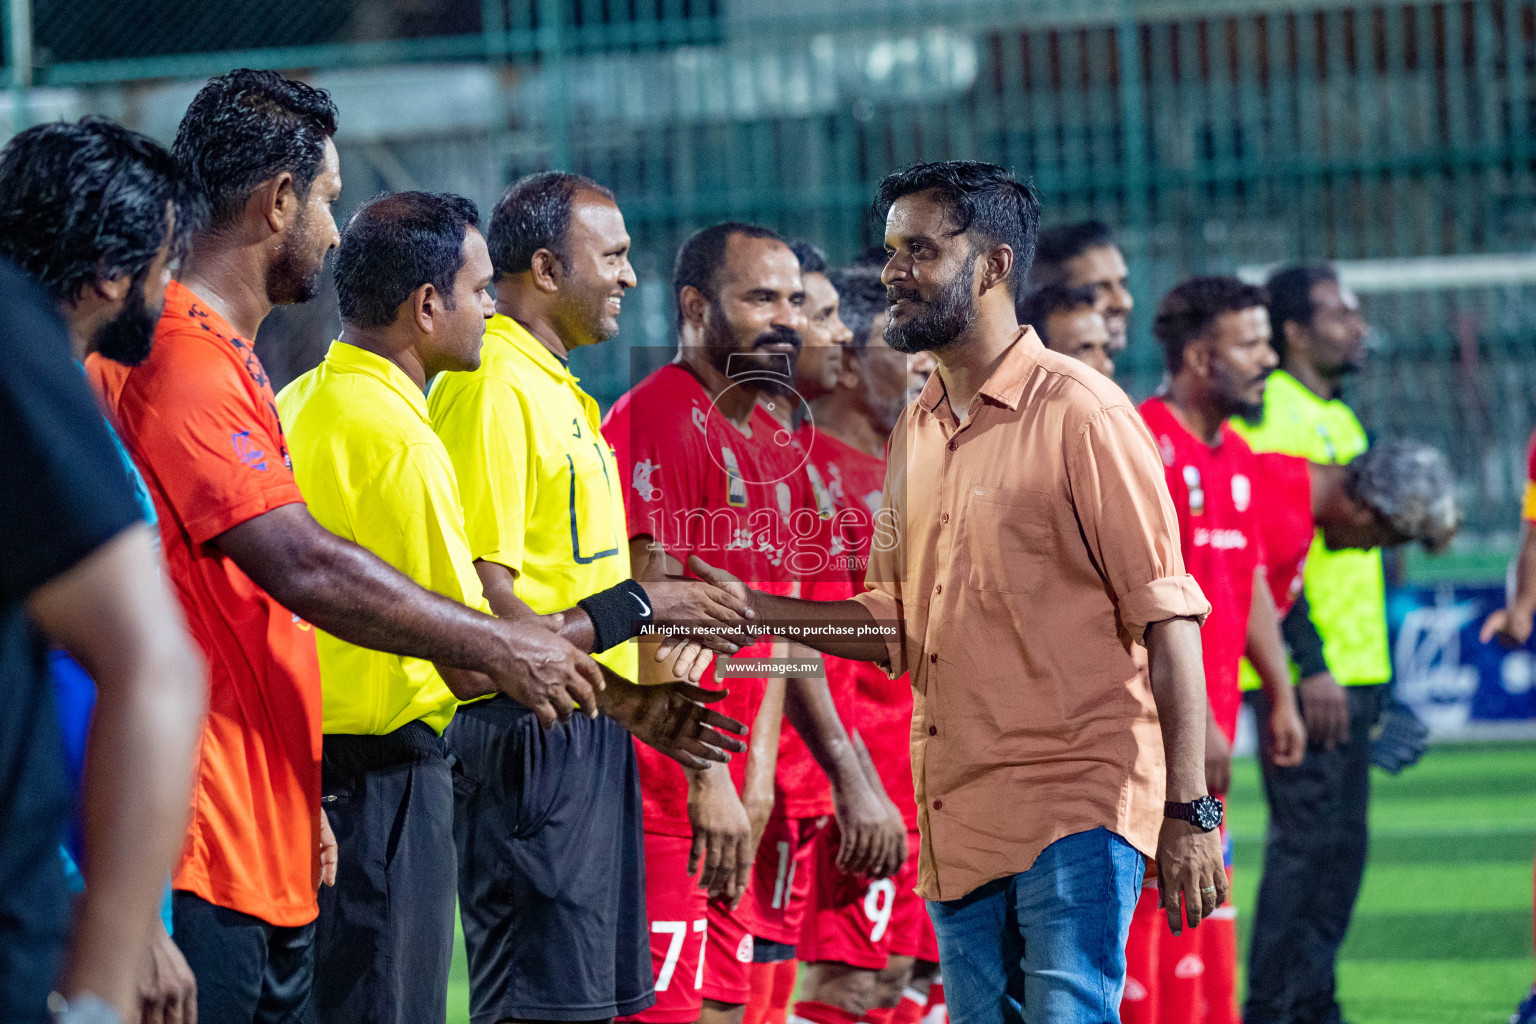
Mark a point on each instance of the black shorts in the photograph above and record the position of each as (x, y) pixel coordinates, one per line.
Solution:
(384, 938)
(551, 866)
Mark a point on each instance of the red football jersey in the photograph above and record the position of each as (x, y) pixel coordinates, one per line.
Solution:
(1212, 489)
(882, 706)
(1283, 496)
(699, 485)
(833, 560)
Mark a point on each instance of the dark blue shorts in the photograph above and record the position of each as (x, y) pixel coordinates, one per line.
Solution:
(246, 969)
(34, 801)
(551, 866)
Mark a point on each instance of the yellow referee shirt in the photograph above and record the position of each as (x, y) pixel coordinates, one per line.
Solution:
(372, 471)
(540, 485)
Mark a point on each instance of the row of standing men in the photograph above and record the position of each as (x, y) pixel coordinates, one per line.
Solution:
(370, 682)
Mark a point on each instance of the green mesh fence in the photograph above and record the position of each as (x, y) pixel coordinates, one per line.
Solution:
(1213, 135)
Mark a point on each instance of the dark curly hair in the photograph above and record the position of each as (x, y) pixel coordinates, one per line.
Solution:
(1062, 242)
(812, 259)
(1290, 298)
(861, 298)
(985, 200)
(88, 201)
(247, 127)
(396, 243)
(1036, 308)
(1190, 308)
(535, 213)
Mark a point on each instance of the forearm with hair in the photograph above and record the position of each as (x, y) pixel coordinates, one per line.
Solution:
(763, 748)
(1178, 689)
(499, 584)
(772, 609)
(354, 595)
(809, 708)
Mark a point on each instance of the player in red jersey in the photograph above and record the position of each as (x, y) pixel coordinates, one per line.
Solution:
(783, 880)
(708, 472)
(1215, 337)
(865, 933)
(802, 805)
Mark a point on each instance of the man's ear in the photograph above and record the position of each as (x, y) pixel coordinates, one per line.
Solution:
(424, 304)
(276, 201)
(1198, 356)
(112, 290)
(995, 269)
(693, 305)
(546, 268)
(849, 370)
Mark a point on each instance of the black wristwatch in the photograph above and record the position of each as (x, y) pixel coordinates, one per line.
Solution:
(1205, 813)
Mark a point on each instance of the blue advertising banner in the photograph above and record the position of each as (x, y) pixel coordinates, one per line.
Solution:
(1459, 686)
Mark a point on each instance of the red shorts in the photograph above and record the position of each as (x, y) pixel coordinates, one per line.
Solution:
(680, 927)
(781, 877)
(728, 953)
(862, 922)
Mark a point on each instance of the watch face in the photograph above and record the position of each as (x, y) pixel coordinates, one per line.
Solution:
(1207, 813)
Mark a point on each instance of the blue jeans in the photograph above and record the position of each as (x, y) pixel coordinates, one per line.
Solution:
(1045, 945)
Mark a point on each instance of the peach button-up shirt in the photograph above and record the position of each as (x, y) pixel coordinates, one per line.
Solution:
(1035, 543)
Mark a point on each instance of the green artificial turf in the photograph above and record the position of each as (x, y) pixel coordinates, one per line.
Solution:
(1442, 932)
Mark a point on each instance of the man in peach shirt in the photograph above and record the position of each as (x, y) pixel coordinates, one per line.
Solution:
(1034, 562)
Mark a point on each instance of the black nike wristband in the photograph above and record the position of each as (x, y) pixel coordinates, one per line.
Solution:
(616, 613)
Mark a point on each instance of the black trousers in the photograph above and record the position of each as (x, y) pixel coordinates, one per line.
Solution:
(247, 971)
(1314, 859)
(384, 939)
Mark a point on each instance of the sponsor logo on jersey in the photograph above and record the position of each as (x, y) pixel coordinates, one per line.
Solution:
(642, 481)
(1165, 449)
(1189, 967)
(736, 487)
(1196, 492)
(1221, 540)
(824, 503)
(247, 452)
(1242, 492)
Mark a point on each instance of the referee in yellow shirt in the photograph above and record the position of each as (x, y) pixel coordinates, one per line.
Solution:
(411, 275)
(548, 824)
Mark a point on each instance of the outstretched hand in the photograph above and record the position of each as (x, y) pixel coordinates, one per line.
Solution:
(728, 588)
(678, 599)
(546, 673)
(674, 719)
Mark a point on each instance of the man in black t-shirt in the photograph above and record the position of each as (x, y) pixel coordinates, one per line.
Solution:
(77, 566)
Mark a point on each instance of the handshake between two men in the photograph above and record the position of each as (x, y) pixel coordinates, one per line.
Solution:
(694, 620)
